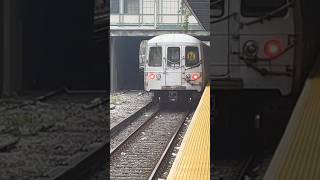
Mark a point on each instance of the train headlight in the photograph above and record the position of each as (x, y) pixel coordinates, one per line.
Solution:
(195, 76)
(158, 76)
(250, 48)
(272, 48)
(151, 76)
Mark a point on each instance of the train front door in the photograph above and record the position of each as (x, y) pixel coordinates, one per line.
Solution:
(173, 66)
(219, 65)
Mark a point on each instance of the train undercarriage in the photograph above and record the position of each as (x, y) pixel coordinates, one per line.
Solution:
(174, 96)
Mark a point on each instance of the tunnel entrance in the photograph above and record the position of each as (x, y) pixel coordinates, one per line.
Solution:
(60, 48)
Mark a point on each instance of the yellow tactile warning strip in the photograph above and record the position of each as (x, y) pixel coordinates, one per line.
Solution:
(193, 159)
(298, 154)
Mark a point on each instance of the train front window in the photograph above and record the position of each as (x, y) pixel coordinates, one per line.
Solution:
(155, 56)
(173, 56)
(217, 7)
(192, 56)
(255, 8)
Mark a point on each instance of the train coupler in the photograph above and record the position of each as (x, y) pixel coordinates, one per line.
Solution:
(173, 96)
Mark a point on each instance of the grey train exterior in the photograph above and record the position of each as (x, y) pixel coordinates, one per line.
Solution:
(174, 64)
(255, 44)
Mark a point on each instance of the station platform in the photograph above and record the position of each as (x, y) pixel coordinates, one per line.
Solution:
(193, 158)
(298, 153)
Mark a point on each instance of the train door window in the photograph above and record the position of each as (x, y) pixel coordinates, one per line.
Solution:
(173, 56)
(192, 56)
(155, 56)
(217, 7)
(254, 8)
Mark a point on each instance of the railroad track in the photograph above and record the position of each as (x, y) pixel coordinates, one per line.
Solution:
(68, 148)
(232, 169)
(60, 92)
(88, 159)
(116, 129)
(140, 154)
(88, 162)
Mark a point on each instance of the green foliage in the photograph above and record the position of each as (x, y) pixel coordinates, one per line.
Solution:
(116, 100)
(184, 10)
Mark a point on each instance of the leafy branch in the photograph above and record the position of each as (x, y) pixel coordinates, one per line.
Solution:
(184, 10)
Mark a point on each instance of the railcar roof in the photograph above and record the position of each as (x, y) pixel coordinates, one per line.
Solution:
(174, 38)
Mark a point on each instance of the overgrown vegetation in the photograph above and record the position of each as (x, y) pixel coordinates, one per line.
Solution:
(184, 10)
(116, 100)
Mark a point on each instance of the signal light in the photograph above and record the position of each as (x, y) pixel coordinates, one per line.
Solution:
(195, 76)
(151, 76)
(272, 48)
(250, 48)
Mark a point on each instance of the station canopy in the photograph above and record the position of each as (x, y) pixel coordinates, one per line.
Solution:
(201, 10)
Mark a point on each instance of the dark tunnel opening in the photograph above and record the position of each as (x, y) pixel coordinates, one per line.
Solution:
(59, 47)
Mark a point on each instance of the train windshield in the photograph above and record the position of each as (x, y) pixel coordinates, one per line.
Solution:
(155, 56)
(217, 7)
(192, 56)
(173, 56)
(255, 8)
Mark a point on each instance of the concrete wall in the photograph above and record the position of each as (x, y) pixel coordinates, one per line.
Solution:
(48, 44)
(124, 58)
(11, 49)
(1, 42)
(58, 44)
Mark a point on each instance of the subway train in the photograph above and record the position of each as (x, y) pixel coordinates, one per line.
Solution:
(174, 66)
(256, 45)
(262, 52)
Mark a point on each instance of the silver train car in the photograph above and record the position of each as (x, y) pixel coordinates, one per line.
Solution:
(174, 66)
(255, 44)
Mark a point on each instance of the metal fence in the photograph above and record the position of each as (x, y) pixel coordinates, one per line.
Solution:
(150, 14)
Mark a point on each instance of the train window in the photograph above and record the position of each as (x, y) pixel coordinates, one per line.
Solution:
(254, 8)
(173, 56)
(192, 56)
(217, 7)
(155, 56)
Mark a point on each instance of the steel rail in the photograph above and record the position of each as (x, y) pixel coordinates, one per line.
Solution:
(133, 134)
(79, 165)
(115, 129)
(245, 167)
(169, 146)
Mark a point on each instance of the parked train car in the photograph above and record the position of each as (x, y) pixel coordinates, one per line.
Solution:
(174, 66)
(256, 45)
